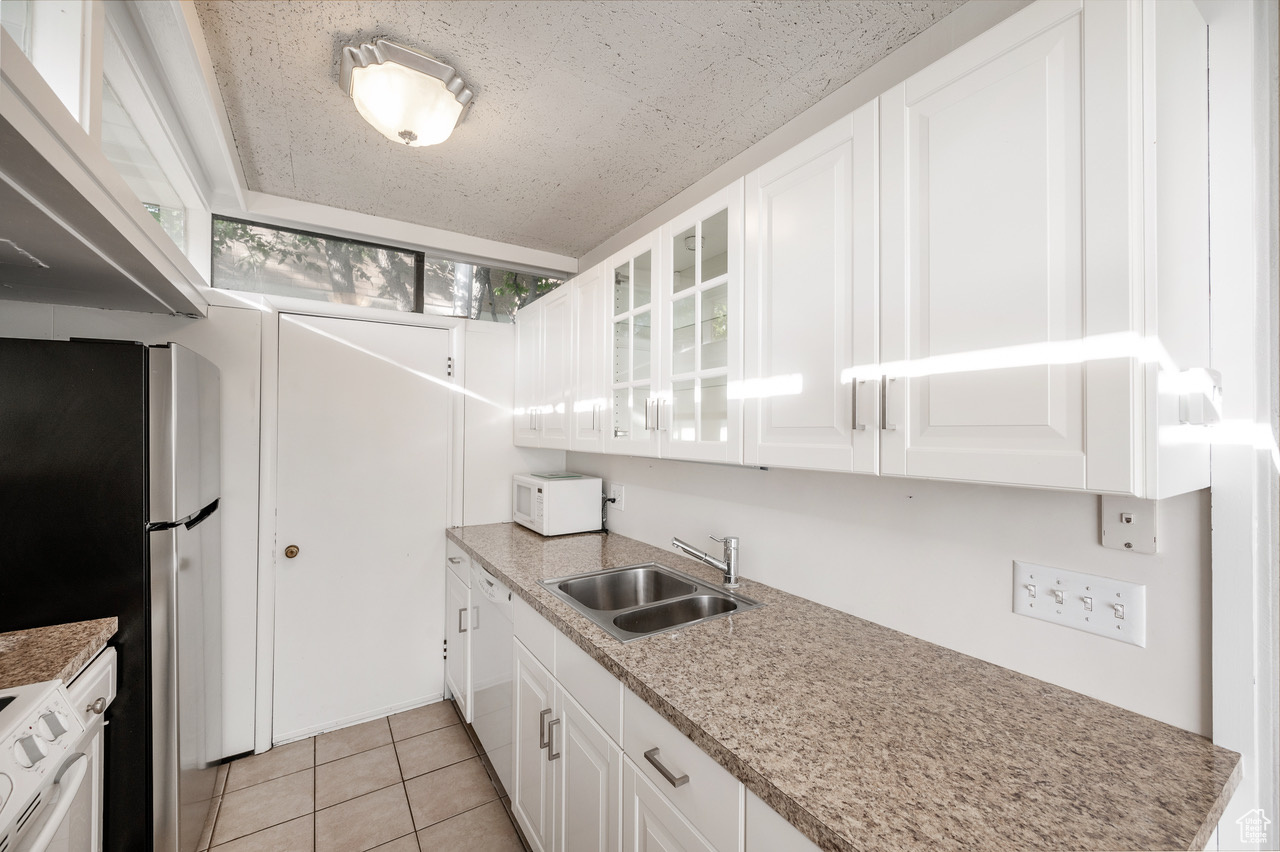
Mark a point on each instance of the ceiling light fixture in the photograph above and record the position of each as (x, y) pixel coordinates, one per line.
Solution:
(406, 95)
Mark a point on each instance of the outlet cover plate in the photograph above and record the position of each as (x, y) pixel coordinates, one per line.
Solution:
(619, 495)
(1128, 523)
(1079, 592)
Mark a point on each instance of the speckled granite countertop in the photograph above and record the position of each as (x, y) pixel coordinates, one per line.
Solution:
(49, 653)
(869, 739)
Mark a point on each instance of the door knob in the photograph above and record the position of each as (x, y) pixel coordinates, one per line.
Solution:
(291, 551)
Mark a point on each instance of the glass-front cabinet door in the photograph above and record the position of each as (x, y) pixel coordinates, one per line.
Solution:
(633, 359)
(699, 398)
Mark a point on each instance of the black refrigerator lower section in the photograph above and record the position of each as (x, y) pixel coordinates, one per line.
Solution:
(73, 508)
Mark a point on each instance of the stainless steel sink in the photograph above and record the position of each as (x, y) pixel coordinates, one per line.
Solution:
(625, 588)
(640, 600)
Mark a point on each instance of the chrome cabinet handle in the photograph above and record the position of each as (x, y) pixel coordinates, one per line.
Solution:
(543, 742)
(98, 707)
(475, 618)
(552, 754)
(646, 415)
(652, 756)
(884, 404)
(855, 407)
(462, 625)
(455, 560)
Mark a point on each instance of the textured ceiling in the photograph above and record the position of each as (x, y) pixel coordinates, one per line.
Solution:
(587, 115)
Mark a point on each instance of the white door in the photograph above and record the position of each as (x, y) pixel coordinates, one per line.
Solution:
(651, 823)
(985, 158)
(701, 309)
(362, 488)
(634, 350)
(533, 773)
(458, 621)
(590, 411)
(811, 291)
(557, 370)
(589, 782)
(528, 374)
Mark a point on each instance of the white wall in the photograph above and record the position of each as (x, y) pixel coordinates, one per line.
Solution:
(490, 458)
(935, 559)
(231, 339)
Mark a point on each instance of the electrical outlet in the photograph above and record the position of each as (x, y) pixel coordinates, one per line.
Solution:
(619, 495)
(1111, 608)
(1128, 523)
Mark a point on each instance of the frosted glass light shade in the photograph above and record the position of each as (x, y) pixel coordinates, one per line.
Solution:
(407, 96)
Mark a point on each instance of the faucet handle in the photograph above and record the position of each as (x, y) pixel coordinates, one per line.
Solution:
(729, 539)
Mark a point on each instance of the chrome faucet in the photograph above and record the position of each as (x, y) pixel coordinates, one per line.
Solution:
(730, 564)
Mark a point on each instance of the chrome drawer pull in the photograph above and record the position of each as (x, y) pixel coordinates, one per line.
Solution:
(455, 560)
(652, 756)
(552, 754)
(462, 627)
(543, 742)
(99, 706)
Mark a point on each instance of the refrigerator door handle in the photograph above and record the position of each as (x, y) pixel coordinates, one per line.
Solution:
(201, 515)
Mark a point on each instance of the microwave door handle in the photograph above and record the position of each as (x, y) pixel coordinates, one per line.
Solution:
(70, 777)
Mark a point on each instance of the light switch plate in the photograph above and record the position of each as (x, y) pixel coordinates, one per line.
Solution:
(1101, 605)
(1128, 523)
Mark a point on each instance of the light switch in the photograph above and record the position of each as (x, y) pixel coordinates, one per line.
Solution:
(1074, 594)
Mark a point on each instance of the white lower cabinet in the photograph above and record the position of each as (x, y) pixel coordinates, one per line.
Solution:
(533, 797)
(568, 771)
(651, 823)
(457, 664)
(767, 831)
(589, 783)
(599, 770)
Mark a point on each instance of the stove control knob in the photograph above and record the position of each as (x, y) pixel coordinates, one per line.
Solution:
(51, 726)
(29, 751)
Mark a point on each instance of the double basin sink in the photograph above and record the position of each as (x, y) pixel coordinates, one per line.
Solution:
(640, 600)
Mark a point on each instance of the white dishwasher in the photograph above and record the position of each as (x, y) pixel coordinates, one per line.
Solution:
(491, 670)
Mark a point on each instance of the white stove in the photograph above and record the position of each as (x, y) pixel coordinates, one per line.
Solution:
(41, 767)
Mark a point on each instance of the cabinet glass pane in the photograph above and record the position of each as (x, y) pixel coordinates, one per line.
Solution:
(621, 350)
(644, 279)
(621, 289)
(683, 412)
(621, 412)
(640, 346)
(683, 260)
(683, 335)
(715, 409)
(639, 402)
(715, 245)
(715, 327)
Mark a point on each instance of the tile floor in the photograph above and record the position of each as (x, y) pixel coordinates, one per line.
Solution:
(412, 782)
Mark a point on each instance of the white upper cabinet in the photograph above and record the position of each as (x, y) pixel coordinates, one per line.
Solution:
(990, 273)
(700, 307)
(544, 371)
(634, 352)
(1014, 341)
(590, 403)
(810, 300)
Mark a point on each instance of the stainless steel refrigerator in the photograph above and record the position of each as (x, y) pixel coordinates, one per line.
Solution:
(109, 490)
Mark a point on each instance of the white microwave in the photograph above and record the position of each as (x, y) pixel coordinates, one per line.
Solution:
(556, 503)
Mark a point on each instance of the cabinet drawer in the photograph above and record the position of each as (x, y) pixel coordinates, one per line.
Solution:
(768, 830)
(711, 798)
(458, 561)
(98, 680)
(599, 692)
(535, 632)
(650, 823)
